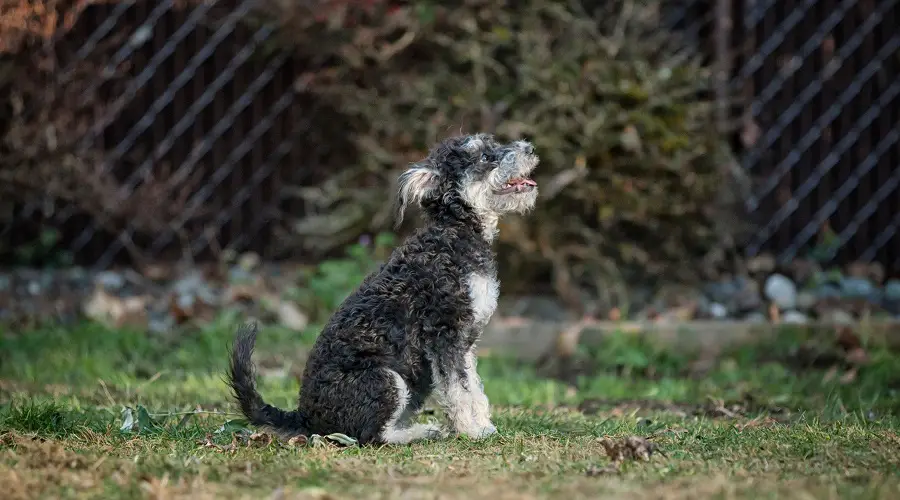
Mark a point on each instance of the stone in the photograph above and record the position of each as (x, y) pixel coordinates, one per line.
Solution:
(806, 300)
(291, 317)
(794, 318)
(248, 261)
(892, 296)
(718, 311)
(828, 292)
(859, 288)
(858, 269)
(721, 291)
(837, 317)
(876, 272)
(803, 271)
(781, 291)
(110, 280)
(892, 290)
(761, 264)
(747, 298)
(756, 317)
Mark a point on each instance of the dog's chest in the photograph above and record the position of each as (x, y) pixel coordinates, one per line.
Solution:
(483, 291)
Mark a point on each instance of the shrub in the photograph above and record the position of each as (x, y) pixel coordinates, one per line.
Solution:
(634, 172)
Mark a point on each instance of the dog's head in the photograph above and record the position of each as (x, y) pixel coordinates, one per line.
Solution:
(490, 178)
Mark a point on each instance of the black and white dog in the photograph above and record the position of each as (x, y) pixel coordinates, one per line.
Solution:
(411, 327)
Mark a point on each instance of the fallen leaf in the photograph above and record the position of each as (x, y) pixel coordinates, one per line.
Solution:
(607, 470)
(291, 317)
(629, 448)
(849, 377)
(116, 312)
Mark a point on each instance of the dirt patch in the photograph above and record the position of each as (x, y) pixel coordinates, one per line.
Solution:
(31, 466)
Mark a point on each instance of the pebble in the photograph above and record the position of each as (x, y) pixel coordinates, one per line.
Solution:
(806, 300)
(756, 317)
(857, 288)
(838, 317)
(747, 297)
(718, 311)
(110, 280)
(794, 318)
(781, 291)
(892, 290)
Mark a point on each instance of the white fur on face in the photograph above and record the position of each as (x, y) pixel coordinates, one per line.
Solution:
(464, 401)
(484, 291)
(399, 431)
(479, 194)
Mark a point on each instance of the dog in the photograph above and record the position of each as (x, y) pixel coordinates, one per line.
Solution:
(411, 327)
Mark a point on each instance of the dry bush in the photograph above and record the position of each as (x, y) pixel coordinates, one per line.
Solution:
(634, 172)
(53, 101)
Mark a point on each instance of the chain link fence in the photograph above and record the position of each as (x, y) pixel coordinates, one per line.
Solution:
(205, 120)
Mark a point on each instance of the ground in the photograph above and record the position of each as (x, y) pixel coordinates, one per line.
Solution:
(753, 423)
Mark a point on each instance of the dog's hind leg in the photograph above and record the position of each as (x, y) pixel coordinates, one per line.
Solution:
(399, 429)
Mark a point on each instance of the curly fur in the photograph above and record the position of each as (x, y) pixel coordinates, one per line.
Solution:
(411, 327)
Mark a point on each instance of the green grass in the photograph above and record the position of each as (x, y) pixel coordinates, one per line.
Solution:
(806, 434)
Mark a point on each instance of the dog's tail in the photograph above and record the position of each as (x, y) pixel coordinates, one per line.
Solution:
(242, 379)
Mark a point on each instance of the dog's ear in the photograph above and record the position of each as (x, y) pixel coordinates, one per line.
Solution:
(415, 186)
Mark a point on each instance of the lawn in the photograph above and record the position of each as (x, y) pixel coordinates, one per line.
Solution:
(94, 412)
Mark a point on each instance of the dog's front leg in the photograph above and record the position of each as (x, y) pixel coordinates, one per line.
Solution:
(459, 391)
(480, 405)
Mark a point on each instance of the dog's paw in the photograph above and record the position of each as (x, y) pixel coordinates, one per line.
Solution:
(483, 432)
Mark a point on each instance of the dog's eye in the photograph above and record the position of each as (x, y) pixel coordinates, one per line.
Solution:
(484, 157)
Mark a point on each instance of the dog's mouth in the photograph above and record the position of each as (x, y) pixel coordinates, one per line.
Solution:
(517, 185)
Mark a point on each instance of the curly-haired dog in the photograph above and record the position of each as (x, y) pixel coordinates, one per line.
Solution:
(411, 327)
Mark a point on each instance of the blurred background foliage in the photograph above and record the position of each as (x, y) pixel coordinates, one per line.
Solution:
(636, 178)
(637, 181)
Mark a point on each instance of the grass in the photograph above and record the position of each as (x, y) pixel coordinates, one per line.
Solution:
(750, 427)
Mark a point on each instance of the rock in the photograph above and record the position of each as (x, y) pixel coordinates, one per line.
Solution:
(110, 280)
(837, 317)
(239, 275)
(114, 311)
(160, 323)
(803, 270)
(718, 311)
(876, 272)
(857, 287)
(34, 288)
(747, 298)
(189, 284)
(756, 317)
(248, 261)
(892, 290)
(291, 317)
(892, 296)
(761, 264)
(5, 282)
(721, 291)
(858, 270)
(828, 292)
(806, 300)
(794, 318)
(781, 291)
